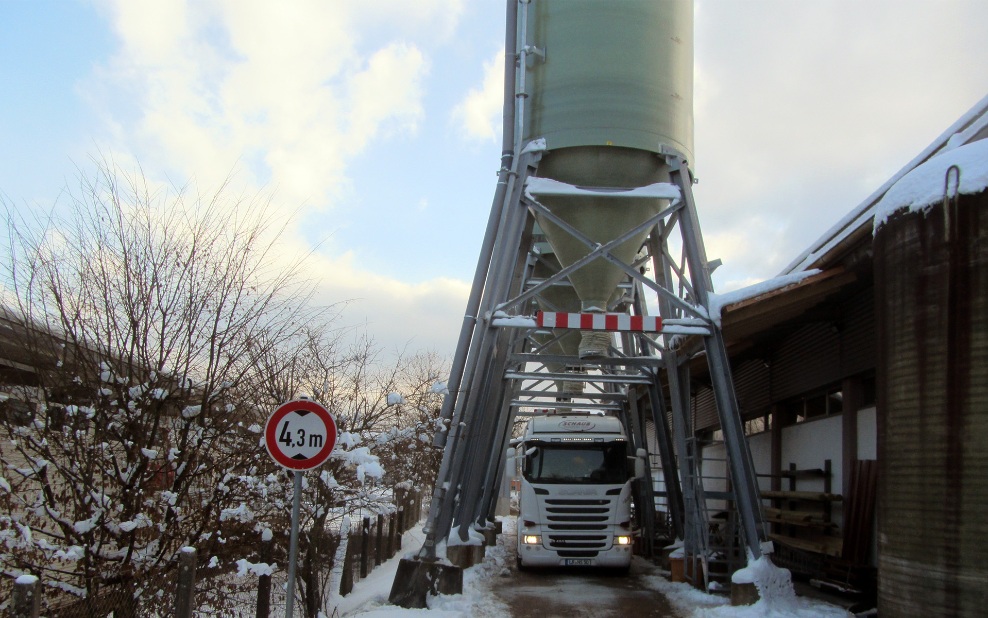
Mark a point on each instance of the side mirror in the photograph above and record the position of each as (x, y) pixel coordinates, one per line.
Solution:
(641, 457)
(510, 464)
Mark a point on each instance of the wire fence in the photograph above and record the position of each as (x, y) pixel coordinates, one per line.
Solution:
(372, 540)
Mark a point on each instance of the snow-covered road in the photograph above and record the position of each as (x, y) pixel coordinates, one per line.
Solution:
(493, 589)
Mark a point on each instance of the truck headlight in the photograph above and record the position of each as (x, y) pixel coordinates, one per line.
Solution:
(531, 539)
(622, 540)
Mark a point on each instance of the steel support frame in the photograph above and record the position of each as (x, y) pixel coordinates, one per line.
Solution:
(480, 407)
(448, 437)
(742, 472)
(459, 458)
(483, 406)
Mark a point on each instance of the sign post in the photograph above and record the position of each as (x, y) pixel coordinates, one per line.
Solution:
(300, 435)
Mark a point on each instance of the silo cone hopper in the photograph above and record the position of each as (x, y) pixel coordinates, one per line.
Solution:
(611, 93)
(601, 219)
(560, 342)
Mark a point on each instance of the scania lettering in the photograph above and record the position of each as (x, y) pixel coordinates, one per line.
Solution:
(574, 497)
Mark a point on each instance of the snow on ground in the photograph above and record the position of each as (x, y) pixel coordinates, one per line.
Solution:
(370, 596)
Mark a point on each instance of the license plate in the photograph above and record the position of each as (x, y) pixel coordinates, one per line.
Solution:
(579, 562)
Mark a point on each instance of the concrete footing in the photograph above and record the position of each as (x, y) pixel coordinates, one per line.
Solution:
(465, 556)
(490, 537)
(743, 594)
(416, 579)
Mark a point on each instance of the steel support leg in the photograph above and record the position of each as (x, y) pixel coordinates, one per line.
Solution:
(744, 481)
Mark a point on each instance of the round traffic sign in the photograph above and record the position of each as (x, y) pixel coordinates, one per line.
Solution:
(300, 435)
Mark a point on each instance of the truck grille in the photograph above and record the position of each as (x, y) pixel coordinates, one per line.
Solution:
(572, 520)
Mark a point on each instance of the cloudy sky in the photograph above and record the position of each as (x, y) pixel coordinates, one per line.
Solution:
(378, 122)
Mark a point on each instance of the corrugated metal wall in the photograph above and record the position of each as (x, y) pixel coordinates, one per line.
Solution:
(814, 356)
(806, 360)
(858, 343)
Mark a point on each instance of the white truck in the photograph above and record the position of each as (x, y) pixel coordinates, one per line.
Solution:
(574, 492)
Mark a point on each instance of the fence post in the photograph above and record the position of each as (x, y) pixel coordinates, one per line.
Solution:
(346, 578)
(128, 606)
(27, 597)
(264, 584)
(379, 550)
(399, 494)
(364, 546)
(391, 535)
(185, 594)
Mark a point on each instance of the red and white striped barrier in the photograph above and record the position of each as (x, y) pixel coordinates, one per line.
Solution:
(599, 321)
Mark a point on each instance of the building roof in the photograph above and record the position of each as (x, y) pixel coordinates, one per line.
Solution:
(838, 265)
(858, 223)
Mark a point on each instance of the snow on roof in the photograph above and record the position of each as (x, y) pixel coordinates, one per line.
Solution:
(966, 128)
(717, 302)
(536, 185)
(927, 184)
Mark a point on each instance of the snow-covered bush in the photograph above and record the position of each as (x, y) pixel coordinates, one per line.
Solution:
(140, 315)
(161, 332)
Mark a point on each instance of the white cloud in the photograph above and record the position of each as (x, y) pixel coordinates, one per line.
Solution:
(433, 19)
(389, 89)
(285, 95)
(479, 113)
(291, 90)
(803, 109)
(425, 315)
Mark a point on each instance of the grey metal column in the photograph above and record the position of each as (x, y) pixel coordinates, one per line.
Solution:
(468, 327)
(480, 360)
(645, 491)
(670, 471)
(477, 470)
(510, 269)
(744, 481)
(506, 416)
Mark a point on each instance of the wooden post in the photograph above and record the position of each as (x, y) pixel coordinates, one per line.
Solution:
(853, 392)
(27, 597)
(185, 594)
(364, 547)
(346, 579)
(127, 606)
(392, 550)
(264, 584)
(399, 503)
(379, 549)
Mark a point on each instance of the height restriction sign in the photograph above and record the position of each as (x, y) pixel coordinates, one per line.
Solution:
(300, 434)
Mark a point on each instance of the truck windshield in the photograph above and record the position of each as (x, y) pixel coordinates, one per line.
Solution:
(585, 464)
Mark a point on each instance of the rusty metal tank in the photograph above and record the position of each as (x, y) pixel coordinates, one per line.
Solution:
(931, 282)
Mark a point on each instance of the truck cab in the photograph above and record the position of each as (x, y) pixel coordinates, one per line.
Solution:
(574, 497)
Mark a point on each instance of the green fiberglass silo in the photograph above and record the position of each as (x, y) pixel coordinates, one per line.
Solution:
(611, 89)
(563, 298)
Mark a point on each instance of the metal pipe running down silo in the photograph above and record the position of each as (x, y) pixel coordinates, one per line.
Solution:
(500, 260)
(425, 574)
